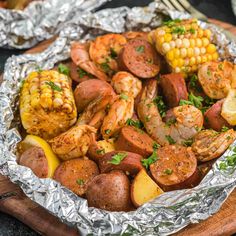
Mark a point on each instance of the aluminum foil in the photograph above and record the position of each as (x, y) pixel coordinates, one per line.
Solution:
(166, 214)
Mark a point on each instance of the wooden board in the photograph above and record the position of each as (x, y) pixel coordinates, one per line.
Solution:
(14, 202)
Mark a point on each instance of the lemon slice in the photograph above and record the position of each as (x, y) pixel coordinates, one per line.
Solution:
(229, 107)
(53, 161)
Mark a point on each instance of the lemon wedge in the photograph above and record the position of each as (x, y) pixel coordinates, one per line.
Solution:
(229, 107)
(53, 161)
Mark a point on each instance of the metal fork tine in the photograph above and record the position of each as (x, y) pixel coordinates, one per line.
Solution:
(177, 6)
(168, 4)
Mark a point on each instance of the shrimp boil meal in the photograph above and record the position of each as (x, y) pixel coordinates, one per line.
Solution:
(130, 116)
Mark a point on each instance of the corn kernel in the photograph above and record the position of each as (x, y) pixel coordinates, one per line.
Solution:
(177, 70)
(35, 102)
(57, 102)
(209, 57)
(203, 50)
(192, 42)
(198, 42)
(178, 43)
(160, 32)
(172, 44)
(186, 62)
(194, 68)
(190, 52)
(205, 42)
(174, 63)
(183, 52)
(198, 59)
(170, 55)
(196, 51)
(46, 102)
(204, 59)
(215, 56)
(180, 62)
(160, 40)
(192, 61)
(176, 52)
(207, 33)
(67, 107)
(168, 37)
(186, 43)
(211, 48)
(165, 47)
(200, 33)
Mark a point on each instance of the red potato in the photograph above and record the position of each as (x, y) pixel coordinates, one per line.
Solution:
(140, 58)
(213, 118)
(110, 192)
(76, 174)
(174, 88)
(176, 168)
(89, 90)
(131, 162)
(135, 140)
(36, 160)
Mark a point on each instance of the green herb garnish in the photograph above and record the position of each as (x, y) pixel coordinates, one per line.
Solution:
(107, 131)
(188, 142)
(100, 151)
(192, 31)
(178, 30)
(147, 118)
(113, 53)
(63, 69)
(150, 160)
(117, 158)
(124, 96)
(192, 100)
(171, 23)
(168, 171)
(170, 122)
(170, 139)
(220, 66)
(156, 145)
(208, 72)
(135, 123)
(140, 49)
(80, 181)
(160, 105)
(82, 73)
(224, 129)
(54, 86)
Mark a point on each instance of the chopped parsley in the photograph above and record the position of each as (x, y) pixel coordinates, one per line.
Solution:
(105, 67)
(150, 160)
(82, 73)
(117, 158)
(188, 142)
(54, 86)
(192, 100)
(80, 181)
(156, 145)
(160, 105)
(135, 123)
(113, 53)
(230, 161)
(147, 118)
(171, 23)
(100, 151)
(140, 49)
(63, 69)
(224, 129)
(220, 66)
(208, 72)
(170, 139)
(178, 30)
(168, 171)
(107, 131)
(170, 122)
(124, 96)
(192, 31)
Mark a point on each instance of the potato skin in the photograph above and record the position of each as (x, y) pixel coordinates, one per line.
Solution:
(131, 163)
(135, 140)
(69, 172)
(89, 90)
(110, 192)
(35, 159)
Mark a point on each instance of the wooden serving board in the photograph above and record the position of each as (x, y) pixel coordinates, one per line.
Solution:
(14, 202)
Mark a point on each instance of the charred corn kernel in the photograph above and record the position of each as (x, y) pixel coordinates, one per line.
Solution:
(207, 33)
(170, 55)
(211, 48)
(183, 52)
(192, 42)
(176, 52)
(205, 42)
(42, 100)
(168, 37)
(215, 56)
(190, 52)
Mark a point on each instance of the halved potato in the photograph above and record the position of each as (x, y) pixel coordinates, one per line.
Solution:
(35, 141)
(144, 189)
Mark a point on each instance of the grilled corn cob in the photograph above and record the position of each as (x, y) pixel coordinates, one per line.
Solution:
(184, 44)
(47, 106)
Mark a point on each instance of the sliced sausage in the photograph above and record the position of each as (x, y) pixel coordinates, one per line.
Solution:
(131, 162)
(140, 58)
(213, 118)
(76, 174)
(89, 90)
(174, 88)
(135, 140)
(176, 168)
(35, 159)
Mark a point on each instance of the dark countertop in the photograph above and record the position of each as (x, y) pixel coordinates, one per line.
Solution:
(217, 9)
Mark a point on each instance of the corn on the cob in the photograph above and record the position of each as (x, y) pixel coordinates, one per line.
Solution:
(47, 106)
(184, 44)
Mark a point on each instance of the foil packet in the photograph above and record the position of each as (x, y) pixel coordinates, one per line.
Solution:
(164, 215)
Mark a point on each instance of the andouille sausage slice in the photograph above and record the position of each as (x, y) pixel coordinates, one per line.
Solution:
(135, 140)
(131, 162)
(35, 159)
(140, 58)
(174, 88)
(176, 168)
(213, 118)
(76, 174)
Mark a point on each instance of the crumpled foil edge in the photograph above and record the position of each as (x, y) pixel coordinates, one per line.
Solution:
(164, 215)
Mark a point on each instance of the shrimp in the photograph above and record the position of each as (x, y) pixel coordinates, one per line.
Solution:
(188, 119)
(125, 83)
(105, 49)
(135, 34)
(209, 144)
(80, 56)
(216, 78)
(120, 111)
(95, 112)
